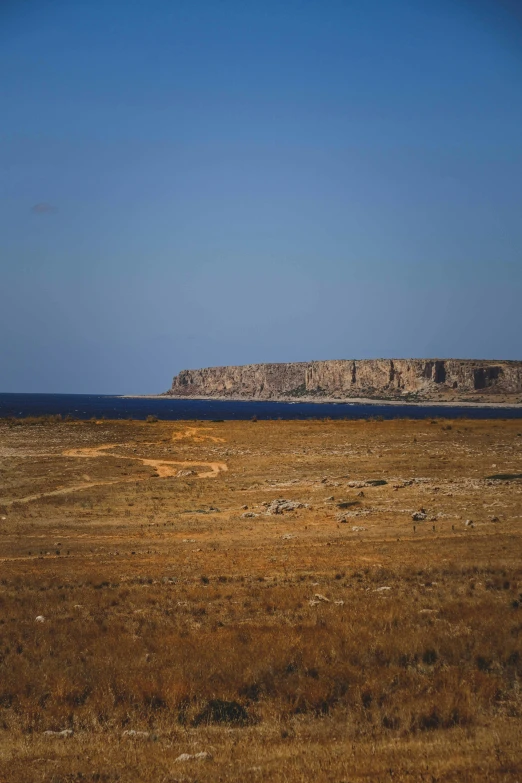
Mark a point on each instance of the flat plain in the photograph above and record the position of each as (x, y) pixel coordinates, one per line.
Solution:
(255, 601)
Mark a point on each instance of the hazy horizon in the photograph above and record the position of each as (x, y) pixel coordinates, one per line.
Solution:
(204, 184)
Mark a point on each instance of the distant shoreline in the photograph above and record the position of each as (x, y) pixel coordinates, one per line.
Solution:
(332, 401)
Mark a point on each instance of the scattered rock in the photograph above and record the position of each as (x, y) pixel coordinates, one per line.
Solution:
(201, 756)
(469, 523)
(280, 506)
(320, 597)
(248, 515)
(419, 516)
(39, 619)
(287, 536)
(350, 515)
(494, 519)
(358, 529)
(185, 473)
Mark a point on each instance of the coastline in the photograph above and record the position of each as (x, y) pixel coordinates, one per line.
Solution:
(332, 401)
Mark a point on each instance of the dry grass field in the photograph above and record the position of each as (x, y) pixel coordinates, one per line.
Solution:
(155, 601)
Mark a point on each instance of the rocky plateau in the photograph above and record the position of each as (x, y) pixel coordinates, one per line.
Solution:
(384, 379)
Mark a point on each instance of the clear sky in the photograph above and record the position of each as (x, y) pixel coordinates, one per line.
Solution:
(187, 183)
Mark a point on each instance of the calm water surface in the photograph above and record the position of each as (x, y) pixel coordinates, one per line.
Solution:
(86, 406)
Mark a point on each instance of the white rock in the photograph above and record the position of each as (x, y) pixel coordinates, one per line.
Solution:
(279, 506)
(39, 619)
(201, 756)
(322, 598)
(381, 589)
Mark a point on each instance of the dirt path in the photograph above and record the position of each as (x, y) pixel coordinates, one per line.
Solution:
(166, 468)
(163, 467)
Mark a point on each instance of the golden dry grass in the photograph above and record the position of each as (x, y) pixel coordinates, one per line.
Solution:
(339, 641)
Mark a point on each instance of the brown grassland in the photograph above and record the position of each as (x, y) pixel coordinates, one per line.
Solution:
(339, 641)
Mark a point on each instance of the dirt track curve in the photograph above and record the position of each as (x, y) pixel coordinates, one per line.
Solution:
(163, 467)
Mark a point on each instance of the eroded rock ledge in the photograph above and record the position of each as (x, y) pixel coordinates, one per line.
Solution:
(422, 379)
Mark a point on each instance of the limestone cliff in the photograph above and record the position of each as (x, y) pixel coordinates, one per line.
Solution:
(423, 379)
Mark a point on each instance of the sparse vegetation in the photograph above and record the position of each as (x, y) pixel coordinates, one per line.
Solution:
(31, 421)
(286, 643)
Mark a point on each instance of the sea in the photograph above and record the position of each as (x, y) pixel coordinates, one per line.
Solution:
(88, 406)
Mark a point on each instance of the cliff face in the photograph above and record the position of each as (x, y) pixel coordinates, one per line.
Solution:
(375, 378)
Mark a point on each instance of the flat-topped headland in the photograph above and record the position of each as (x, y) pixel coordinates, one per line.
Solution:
(409, 380)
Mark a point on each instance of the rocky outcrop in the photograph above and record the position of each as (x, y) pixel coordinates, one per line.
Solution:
(422, 379)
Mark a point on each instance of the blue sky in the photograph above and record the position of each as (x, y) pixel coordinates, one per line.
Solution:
(196, 183)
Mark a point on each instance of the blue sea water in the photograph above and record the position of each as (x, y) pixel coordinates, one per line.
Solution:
(87, 406)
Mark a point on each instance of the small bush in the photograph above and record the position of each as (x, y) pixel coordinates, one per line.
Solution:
(220, 711)
(504, 476)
